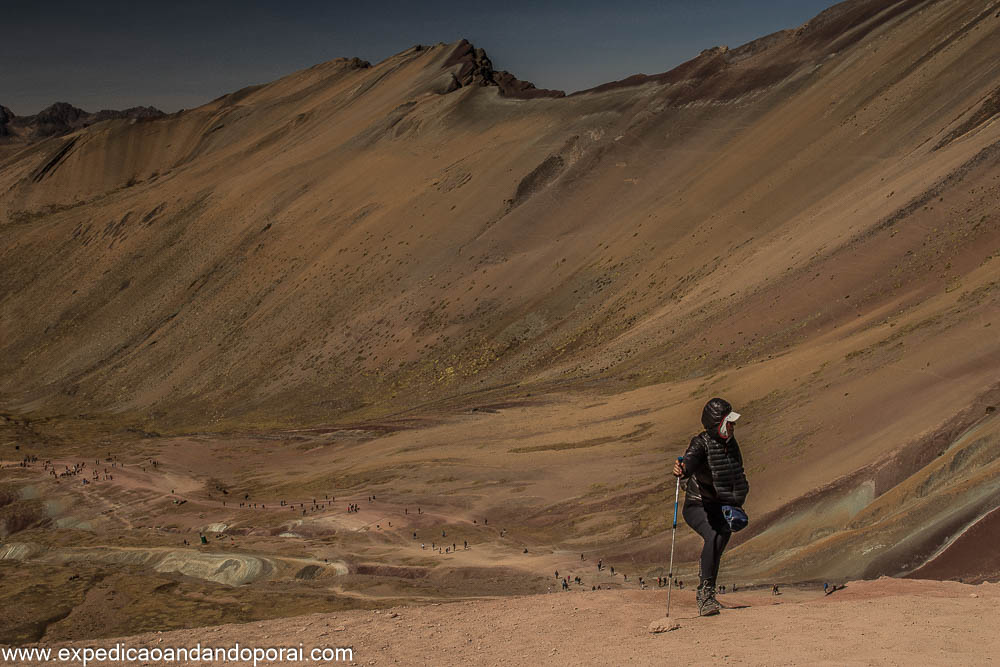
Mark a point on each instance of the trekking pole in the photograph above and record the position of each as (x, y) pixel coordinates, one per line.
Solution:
(673, 537)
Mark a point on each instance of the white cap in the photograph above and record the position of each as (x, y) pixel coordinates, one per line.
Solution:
(732, 416)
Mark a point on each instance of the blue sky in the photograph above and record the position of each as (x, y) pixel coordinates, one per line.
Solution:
(102, 55)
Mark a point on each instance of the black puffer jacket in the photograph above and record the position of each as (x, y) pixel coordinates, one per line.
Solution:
(714, 466)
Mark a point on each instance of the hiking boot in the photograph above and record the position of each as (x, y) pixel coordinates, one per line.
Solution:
(707, 604)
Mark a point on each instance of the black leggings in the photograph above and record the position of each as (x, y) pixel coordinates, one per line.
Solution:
(706, 519)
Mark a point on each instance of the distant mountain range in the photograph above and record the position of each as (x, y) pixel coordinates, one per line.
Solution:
(62, 118)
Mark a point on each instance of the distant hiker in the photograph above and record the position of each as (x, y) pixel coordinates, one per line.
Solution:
(557, 574)
(466, 544)
(444, 534)
(612, 570)
(774, 590)
(414, 534)
(525, 549)
(406, 510)
(826, 587)
(600, 564)
(581, 557)
(565, 585)
(714, 494)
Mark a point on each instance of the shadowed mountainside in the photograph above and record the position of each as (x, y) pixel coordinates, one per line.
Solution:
(806, 224)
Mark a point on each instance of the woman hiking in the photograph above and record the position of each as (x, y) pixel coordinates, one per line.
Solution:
(714, 494)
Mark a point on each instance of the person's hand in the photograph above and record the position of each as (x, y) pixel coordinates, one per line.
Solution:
(678, 469)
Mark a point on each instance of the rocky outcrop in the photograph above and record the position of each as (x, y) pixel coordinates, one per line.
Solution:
(6, 115)
(477, 70)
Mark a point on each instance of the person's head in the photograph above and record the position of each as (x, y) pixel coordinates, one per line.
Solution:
(718, 418)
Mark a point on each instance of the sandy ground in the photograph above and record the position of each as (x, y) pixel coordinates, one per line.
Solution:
(881, 622)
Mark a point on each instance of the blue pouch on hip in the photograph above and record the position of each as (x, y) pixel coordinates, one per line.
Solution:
(735, 517)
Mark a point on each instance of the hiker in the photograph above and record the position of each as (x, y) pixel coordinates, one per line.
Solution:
(600, 564)
(826, 587)
(716, 487)
(466, 545)
(565, 585)
(774, 590)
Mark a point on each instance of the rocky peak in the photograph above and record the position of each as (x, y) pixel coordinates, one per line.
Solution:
(6, 115)
(476, 69)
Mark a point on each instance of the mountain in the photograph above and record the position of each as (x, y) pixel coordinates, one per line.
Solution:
(806, 224)
(62, 118)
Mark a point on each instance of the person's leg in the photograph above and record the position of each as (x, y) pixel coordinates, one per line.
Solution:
(722, 534)
(702, 521)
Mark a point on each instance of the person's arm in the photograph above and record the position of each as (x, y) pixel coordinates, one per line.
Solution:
(692, 461)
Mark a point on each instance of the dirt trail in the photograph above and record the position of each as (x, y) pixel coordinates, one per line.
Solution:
(885, 622)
